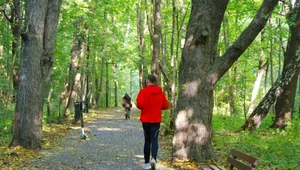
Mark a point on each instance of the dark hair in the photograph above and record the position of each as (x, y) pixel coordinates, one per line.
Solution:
(152, 78)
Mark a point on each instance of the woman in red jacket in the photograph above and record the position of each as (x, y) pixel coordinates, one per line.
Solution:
(151, 100)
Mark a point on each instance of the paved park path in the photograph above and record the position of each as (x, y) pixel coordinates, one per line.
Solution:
(112, 144)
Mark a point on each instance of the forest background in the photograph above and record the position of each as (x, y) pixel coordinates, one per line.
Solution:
(105, 49)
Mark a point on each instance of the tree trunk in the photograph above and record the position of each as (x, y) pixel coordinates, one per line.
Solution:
(38, 44)
(179, 27)
(142, 47)
(282, 85)
(173, 69)
(14, 78)
(49, 100)
(193, 132)
(271, 65)
(100, 90)
(284, 106)
(260, 112)
(200, 70)
(232, 72)
(107, 87)
(261, 70)
(115, 67)
(73, 86)
(156, 39)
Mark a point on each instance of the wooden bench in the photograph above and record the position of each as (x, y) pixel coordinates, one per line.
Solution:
(234, 161)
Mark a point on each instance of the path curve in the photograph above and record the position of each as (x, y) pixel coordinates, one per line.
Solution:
(112, 144)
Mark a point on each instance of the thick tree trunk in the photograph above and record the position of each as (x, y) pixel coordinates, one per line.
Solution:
(193, 132)
(281, 86)
(38, 44)
(289, 71)
(284, 106)
(200, 70)
(260, 112)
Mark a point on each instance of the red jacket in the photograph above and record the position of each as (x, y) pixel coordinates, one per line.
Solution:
(151, 100)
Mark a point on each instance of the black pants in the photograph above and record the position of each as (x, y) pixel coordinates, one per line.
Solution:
(151, 131)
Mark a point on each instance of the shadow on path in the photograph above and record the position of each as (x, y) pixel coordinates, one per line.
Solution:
(113, 143)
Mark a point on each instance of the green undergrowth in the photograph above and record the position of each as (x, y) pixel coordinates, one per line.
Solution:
(275, 149)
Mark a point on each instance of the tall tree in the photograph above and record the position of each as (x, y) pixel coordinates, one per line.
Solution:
(142, 46)
(283, 85)
(172, 64)
(284, 106)
(74, 75)
(200, 69)
(260, 72)
(38, 44)
(15, 23)
(156, 39)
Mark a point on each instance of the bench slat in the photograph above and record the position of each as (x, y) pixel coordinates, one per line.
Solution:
(211, 167)
(238, 164)
(205, 167)
(215, 167)
(243, 156)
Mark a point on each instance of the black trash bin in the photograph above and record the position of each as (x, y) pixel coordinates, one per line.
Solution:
(78, 111)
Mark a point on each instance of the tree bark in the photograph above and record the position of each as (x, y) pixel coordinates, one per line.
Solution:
(179, 28)
(107, 86)
(142, 46)
(284, 107)
(200, 70)
(156, 39)
(49, 100)
(115, 67)
(100, 90)
(261, 70)
(193, 134)
(73, 86)
(15, 23)
(173, 69)
(38, 44)
(282, 85)
(260, 112)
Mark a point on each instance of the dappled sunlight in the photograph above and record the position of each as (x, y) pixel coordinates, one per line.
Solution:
(182, 118)
(182, 153)
(213, 78)
(191, 88)
(109, 129)
(139, 156)
(257, 120)
(189, 40)
(198, 133)
(189, 133)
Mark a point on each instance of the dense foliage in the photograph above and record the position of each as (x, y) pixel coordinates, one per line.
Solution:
(111, 28)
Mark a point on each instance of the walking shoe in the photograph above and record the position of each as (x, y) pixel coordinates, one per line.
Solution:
(153, 164)
(146, 166)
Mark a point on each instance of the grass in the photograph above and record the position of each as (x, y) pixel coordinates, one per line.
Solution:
(275, 149)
